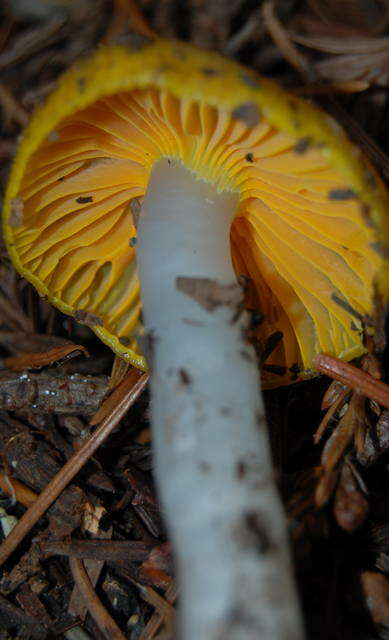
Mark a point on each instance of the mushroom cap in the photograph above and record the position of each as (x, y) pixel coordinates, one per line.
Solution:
(311, 231)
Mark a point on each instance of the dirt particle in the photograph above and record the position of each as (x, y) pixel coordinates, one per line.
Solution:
(342, 194)
(89, 319)
(184, 376)
(125, 341)
(241, 469)
(261, 420)
(251, 532)
(209, 293)
(246, 355)
(256, 318)
(133, 242)
(225, 411)
(84, 199)
(249, 157)
(205, 466)
(247, 113)
(135, 208)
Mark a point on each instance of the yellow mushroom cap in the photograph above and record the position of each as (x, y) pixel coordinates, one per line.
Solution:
(311, 230)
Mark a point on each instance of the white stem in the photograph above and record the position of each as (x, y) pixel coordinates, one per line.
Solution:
(213, 463)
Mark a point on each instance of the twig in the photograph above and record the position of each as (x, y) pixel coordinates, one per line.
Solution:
(285, 44)
(39, 360)
(353, 377)
(127, 15)
(52, 392)
(157, 618)
(120, 551)
(13, 111)
(100, 615)
(138, 382)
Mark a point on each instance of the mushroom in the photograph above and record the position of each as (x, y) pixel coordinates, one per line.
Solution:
(220, 191)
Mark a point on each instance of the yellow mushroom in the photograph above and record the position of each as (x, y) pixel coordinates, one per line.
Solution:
(310, 230)
(167, 136)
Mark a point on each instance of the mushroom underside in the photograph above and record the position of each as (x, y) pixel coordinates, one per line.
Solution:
(298, 232)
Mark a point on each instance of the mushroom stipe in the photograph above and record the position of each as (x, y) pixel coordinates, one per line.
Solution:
(172, 165)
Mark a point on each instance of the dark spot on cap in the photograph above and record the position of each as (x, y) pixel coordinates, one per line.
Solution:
(366, 215)
(346, 306)
(205, 466)
(247, 113)
(125, 341)
(84, 199)
(225, 411)
(249, 157)
(16, 217)
(342, 194)
(370, 178)
(184, 376)
(53, 136)
(277, 369)
(81, 84)
(132, 242)
(302, 145)
(209, 71)
(250, 81)
(380, 249)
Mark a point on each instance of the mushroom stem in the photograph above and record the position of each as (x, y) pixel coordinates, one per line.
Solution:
(213, 462)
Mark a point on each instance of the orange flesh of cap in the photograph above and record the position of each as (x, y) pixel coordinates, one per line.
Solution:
(301, 250)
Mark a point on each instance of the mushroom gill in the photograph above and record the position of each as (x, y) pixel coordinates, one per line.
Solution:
(299, 233)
